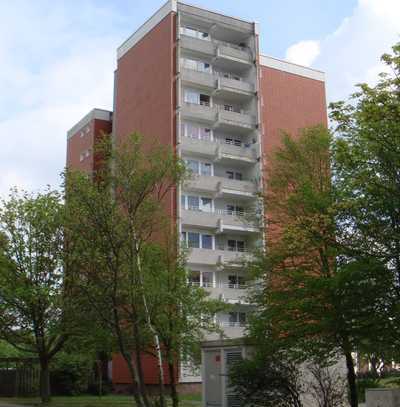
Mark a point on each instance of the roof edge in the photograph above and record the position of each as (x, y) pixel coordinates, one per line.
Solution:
(292, 68)
(99, 114)
(147, 26)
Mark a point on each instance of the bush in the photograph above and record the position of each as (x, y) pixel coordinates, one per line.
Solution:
(71, 374)
(266, 381)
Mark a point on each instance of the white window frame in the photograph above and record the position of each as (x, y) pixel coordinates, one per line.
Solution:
(185, 127)
(201, 283)
(185, 205)
(186, 241)
(200, 163)
(195, 33)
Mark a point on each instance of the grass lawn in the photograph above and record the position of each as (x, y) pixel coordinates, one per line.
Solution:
(94, 401)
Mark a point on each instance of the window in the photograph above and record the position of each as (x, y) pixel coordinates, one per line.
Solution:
(237, 142)
(234, 210)
(206, 242)
(191, 96)
(193, 166)
(196, 98)
(236, 245)
(206, 169)
(192, 32)
(234, 175)
(197, 240)
(194, 278)
(204, 99)
(84, 154)
(194, 240)
(229, 108)
(87, 129)
(196, 65)
(206, 204)
(207, 279)
(193, 203)
(199, 168)
(195, 131)
(236, 281)
(237, 318)
(205, 134)
(82, 133)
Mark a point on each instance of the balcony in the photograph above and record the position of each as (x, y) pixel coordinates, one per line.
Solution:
(219, 117)
(219, 150)
(233, 53)
(216, 257)
(199, 112)
(222, 187)
(205, 47)
(228, 293)
(220, 50)
(224, 85)
(220, 220)
(228, 120)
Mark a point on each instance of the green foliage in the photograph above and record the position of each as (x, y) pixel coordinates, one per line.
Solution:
(131, 286)
(71, 373)
(182, 313)
(35, 308)
(367, 178)
(266, 381)
(7, 351)
(319, 301)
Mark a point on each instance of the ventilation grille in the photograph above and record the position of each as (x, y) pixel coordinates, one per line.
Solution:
(233, 400)
(233, 357)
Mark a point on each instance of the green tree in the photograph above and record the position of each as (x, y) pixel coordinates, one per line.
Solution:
(182, 313)
(267, 381)
(367, 176)
(317, 303)
(34, 315)
(112, 218)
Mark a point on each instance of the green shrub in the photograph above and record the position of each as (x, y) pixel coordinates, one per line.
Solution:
(71, 374)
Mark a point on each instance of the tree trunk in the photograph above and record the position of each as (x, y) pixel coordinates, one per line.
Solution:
(174, 393)
(351, 379)
(139, 368)
(44, 380)
(151, 328)
(137, 394)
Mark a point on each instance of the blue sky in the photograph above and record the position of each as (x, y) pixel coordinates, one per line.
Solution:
(57, 60)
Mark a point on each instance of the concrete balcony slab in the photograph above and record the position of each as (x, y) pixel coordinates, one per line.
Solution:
(221, 187)
(199, 113)
(197, 45)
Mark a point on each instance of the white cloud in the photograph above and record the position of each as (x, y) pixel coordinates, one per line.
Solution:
(53, 75)
(303, 52)
(351, 54)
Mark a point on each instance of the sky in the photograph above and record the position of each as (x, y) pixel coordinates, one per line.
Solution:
(57, 59)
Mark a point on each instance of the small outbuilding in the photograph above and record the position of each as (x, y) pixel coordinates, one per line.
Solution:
(217, 357)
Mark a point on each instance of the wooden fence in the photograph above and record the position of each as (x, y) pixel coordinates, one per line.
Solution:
(19, 377)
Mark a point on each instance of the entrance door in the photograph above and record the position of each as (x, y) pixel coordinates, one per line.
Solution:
(212, 380)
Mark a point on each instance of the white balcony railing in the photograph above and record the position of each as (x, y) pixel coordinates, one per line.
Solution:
(218, 285)
(221, 212)
(233, 324)
(207, 139)
(232, 249)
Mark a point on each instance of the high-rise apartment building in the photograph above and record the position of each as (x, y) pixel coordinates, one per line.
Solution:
(195, 80)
